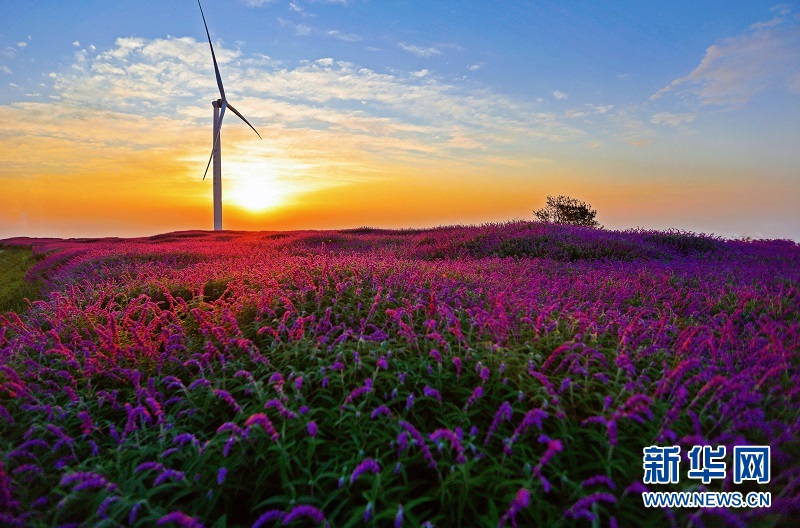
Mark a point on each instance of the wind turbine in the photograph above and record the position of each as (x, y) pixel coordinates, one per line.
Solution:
(216, 149)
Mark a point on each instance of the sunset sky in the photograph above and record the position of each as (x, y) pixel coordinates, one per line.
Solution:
(390, 113)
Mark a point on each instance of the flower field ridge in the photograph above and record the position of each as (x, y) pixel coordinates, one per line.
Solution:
(495, 375)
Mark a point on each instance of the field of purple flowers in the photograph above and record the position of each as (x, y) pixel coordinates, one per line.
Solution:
(500, 375)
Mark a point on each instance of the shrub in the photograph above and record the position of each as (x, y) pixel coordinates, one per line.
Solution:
(565, 210)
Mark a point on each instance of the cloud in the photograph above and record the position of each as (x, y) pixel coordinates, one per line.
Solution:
(344, 37)
(670, 119)
(421, 73)
(559, 96)
(419, 51)
(600, 109)
(22, 44)
(5, 69)
(475, 67)
(257, 3)
(736, 69)
(301, 30)
(77, 43)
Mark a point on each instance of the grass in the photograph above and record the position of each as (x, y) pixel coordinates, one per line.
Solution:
(14, 288)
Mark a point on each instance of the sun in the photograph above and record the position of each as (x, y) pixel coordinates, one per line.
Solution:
(255, 189)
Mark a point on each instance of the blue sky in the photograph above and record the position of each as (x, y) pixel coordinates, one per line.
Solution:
(679, 114)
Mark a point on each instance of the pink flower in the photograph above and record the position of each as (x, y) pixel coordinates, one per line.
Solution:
(262, 420)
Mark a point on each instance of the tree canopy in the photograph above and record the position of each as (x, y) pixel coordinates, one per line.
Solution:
(566, 210)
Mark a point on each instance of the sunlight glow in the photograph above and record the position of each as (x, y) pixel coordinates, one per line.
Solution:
(258, 186)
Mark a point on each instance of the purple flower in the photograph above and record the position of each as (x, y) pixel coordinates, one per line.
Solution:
(226, 449)
(484, 374)
(28, 468)
(261, 419)
(502, 414)
(637, 487)
(457, 363)
(184, 438)
(417, 436)
(398, 518)
(380, 411)
(148, 466)
(102, 510)
(519, 502)
(382, 363)
(455, 442)
(431, 393)
(598, 479)
(86, 422)
(410, 401)
(337, 365)
(553, 447)
(134, 511)
(312, 428)
(436, 356)
(311, 512)
(227, 398)
(402, 442)
(221, 474)
(532, 417)
(167, 474)
(282, 410)
(198, 382)
(367, 464)
(181, 519)
(581, 508)
(367, 387)
(298, 383)
(85, 480)
(230, 426)
(476, 393)
(169, 452)
(271, 515)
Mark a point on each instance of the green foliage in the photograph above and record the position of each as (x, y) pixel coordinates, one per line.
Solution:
(567, 211)
(14, 288)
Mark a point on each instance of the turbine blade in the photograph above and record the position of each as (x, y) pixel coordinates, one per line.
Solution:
(235, 111)
(216, 138)
(213, 56)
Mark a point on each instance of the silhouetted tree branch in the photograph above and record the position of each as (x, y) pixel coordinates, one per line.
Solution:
(565, 210)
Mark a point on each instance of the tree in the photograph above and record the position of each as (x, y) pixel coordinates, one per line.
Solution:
(565, 210)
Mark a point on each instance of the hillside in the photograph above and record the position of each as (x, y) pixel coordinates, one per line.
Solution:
(506, 374)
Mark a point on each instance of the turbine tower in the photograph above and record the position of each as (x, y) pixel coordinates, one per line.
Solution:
(216, 149)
